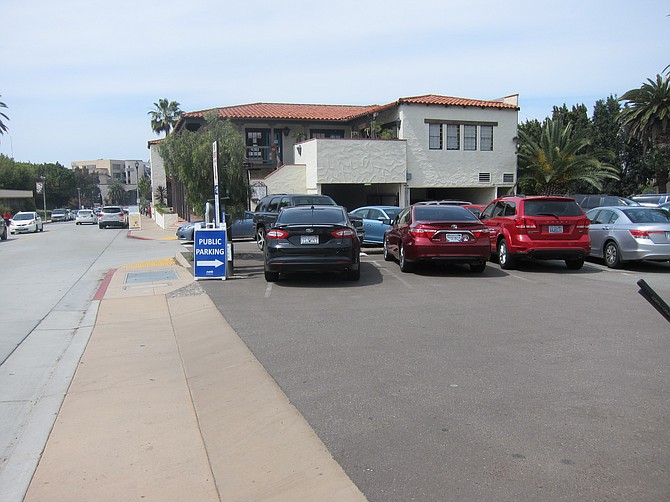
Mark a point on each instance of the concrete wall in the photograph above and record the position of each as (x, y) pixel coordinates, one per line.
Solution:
(287, 179)
(158, 177)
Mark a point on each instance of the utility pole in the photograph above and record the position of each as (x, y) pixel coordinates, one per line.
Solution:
(44, 196)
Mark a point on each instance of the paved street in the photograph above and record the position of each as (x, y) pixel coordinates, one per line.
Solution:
(533, 384)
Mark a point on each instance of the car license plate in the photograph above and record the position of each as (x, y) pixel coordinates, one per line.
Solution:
(454, 237)
(309, 239)
(555, 229)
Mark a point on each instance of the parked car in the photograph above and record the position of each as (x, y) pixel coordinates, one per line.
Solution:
(587, 202)
(242, 228)
(475, 209)
(376, 220)
(622, 234)
(269, 206)
(665, 207)
(312, 239)
(112, 216)
(72, 213)
(86, 216)
(59, 215)
(26, 221)
(651, 199)
(537, 227)
(437, 233)
(4, 231)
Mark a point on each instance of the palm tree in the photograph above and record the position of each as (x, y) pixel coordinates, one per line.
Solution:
(3, 127)
(553, 164)
(647, 118)
(165, 115)
(116, 193)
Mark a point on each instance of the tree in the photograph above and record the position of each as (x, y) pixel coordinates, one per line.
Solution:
(164, 116)
(646, 118)
(3, 126)
(144, 187)
(188, 155)
(555, 163)
(116, 193)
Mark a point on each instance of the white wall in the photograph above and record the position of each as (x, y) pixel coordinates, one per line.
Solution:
(287, 179)
(158, 177)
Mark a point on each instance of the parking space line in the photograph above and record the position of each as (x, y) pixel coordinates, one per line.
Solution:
(376, 264)
(268, 290)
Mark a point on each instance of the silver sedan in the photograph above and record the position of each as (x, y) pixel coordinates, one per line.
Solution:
(620, 234)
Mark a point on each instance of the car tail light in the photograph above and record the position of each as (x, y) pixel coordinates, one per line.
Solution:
(584, 224)
(645, 234)
(121, 215)
(422, 231)
(525, 224)
(482, 232)
(276, 233)
(343, 233)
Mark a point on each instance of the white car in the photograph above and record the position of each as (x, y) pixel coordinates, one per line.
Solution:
(26, 221)
(86, 216)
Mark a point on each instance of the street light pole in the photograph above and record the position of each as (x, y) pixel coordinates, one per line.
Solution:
(44, 196)
(79, 196)
(137, 183)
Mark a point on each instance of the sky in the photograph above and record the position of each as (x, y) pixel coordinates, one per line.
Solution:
(79, 76)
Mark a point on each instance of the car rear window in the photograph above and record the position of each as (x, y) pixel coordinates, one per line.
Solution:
(552, 208)
(312, 216)
(308, 200)
(443, 213)
(647, 215)
(111, 210)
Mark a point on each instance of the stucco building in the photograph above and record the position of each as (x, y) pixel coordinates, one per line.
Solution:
(416, 148)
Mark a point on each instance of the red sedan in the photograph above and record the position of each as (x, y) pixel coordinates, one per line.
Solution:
(437, 233)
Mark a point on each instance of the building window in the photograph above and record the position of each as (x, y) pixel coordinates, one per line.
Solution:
(486, 138)
(508, 177)
(469, 137)
(435, 136)
(453, 137)
(485, 177)
(326, 134)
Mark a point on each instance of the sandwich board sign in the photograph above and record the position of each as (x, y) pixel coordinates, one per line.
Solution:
(209, 253)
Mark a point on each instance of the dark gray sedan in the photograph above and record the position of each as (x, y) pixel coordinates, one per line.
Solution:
(620, 234)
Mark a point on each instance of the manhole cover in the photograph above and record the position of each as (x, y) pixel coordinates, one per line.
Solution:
(159, 275)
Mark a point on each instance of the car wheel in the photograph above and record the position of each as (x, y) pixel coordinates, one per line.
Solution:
(478, 267)
(575, 264)
(353, 274)
(505, 259)
(387, 254)
(100, 226)
(405, 266)
(612, 255)
(271, 276)
(260, 238)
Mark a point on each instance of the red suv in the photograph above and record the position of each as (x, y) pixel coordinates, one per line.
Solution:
(537, 227)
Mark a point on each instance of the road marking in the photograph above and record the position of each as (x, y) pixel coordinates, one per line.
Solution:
(393, 274)
(268, 290)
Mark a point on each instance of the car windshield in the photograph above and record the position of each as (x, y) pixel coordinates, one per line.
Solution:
(58, 211)
(443, 213)
(543, 207)
(640, 215)
(317, 216)
(24, 216)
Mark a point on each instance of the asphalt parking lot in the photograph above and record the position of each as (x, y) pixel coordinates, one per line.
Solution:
(539, 383)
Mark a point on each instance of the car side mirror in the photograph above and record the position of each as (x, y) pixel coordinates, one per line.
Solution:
(385, 221)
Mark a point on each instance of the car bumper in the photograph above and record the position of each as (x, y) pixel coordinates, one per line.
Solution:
(21, 230)
(551, 250)
(447, 252)
(283, 261)
(650, 251)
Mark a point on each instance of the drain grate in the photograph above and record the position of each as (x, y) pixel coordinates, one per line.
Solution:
(159, 275)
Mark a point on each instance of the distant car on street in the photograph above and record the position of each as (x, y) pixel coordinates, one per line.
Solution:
(112, 216)
(26, 221)
(86, 216)
(60, 215)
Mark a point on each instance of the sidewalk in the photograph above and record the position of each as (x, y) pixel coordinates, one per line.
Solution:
(169, 404)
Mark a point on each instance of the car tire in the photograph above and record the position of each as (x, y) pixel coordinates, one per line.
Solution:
(353, 274)
(100, 226)
(260, 238)
(387, 254)
(505, 259)
(478, 268)
(575, 264)
(612, 255)
(405, 266)
(271, 276)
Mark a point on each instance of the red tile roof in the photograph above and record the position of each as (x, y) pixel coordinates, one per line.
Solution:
(285, 111)
(432, 99)
(343, 113)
